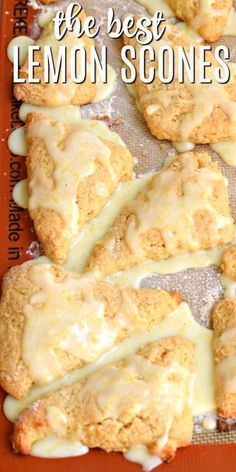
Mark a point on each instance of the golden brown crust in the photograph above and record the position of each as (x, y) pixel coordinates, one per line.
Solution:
(224, 319)
(15, 378)
(228, 262)
(49, 224)
(179, 102)
(54, 95)
(93, 428)
(213, 26)
(113, 254)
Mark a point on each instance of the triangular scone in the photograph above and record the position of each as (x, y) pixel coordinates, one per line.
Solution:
(207, 17)
(52, 321)
(72, 172)
(224, 345)
(184, 208)
(200, 113)
(142, 400)
(52, 94)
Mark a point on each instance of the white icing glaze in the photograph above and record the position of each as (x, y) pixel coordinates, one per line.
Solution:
(95, 230)
(44, 18)
(181, 323)
(203, 98)
(172, 212)
(104, 91)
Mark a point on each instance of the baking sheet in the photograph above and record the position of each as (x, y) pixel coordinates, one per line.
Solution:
(201, 288)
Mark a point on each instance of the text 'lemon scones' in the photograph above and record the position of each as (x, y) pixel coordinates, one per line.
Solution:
(224, 326)
(142, 400)
(184, 208)
(207, 17)
(57, 94)
(195, 112)
(72, 172)
(52, 321)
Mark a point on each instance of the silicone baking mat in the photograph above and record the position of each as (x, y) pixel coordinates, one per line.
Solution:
(200, 288)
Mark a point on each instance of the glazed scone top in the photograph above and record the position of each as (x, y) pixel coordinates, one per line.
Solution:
(183, 208)
(74, 159)
(59, 320)
(171, 201)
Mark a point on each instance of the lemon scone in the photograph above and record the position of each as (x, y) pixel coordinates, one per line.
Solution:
(228, 262)
(224, 345)
(144, 399)
(184, 208)
(57, 94)
(207, 17)
(72, 172)
(196, 112)
(52, 321)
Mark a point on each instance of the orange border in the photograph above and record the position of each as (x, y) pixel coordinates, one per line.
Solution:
(210, 458)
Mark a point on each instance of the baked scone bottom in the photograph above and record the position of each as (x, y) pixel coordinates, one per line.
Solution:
(57, 94)
(184, 208)
(53, 321)
(72, 172)
(188, 111)
(207, 17)
(224, 346)
(144, 399)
